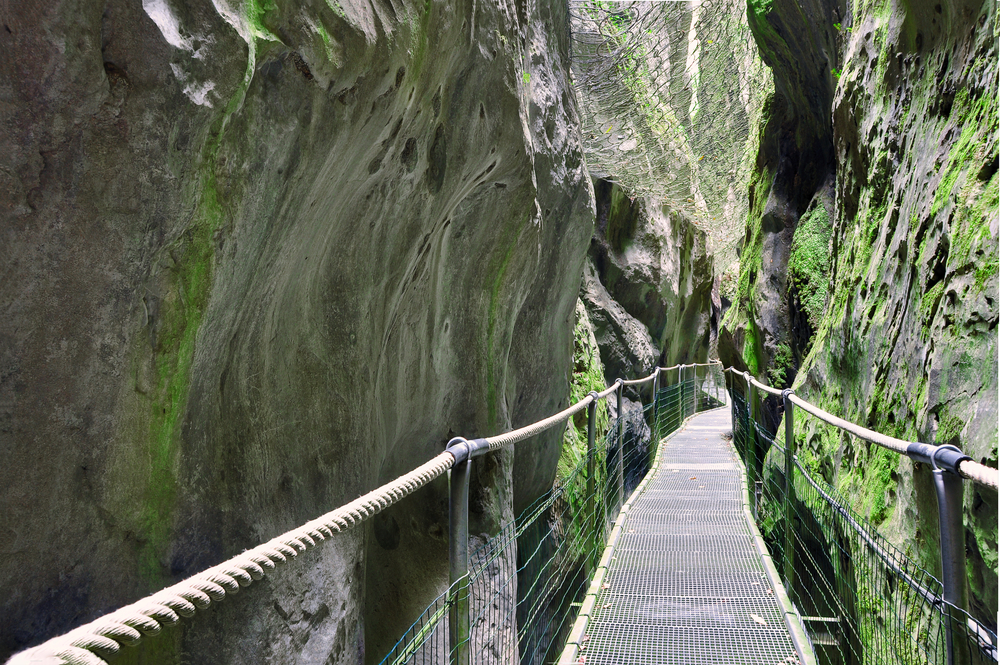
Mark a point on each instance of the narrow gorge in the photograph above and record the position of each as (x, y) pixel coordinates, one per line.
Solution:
(261, 257)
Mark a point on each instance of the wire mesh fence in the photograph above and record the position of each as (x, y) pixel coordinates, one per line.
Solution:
(670, 97)
(526, 583)
(862, 600)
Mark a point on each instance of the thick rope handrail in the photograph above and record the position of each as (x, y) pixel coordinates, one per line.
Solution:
(508, 438)
(637, 382)
(970, 469)
(91, 643)
(647, 379)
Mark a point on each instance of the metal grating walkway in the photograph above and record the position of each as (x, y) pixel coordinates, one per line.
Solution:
(686, 583)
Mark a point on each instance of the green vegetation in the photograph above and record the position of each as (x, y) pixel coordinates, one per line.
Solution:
(588, 375)
(809, 263)
(191, 271)
(571, 472)
(752, 344)
(782, 366)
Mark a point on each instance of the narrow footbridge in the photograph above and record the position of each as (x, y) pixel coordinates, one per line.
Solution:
(682, 527)
(686, 577)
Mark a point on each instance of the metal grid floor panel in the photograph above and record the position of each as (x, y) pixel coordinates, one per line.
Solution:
(685, 583)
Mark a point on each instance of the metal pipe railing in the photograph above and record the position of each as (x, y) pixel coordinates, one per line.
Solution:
(950, 465)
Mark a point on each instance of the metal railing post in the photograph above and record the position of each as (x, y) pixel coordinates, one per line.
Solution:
(621, 446)
(591, 465)
(788, 555)
(949, 489)
(680, 394)
(656, 409)
(684, 398)
(732, 409)
(751, 454)
(696, 391)
(458, 559)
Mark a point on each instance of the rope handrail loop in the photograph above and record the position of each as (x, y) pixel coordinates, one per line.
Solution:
(889, 442)
(528, 431)
(610, 390)
(636, 382)
(760, 386)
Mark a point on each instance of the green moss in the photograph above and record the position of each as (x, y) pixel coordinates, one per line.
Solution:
(759, 8)
(255, 10)
(494, 354)
(949, 430)
(752, 345)
(975, 117)
(588, 376)
(930, 299)
(809, 263)
(571, 472)
(623, 217)
(190, 279)
(771, 46)
(782, 366)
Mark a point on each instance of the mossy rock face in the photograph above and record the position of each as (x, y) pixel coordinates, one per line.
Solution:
(881, 283)
(262, 262)
(907, 343)
(794, 167)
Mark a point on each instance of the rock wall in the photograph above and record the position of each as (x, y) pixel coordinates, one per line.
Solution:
(259, 258)
(647, 285)
(882, 280)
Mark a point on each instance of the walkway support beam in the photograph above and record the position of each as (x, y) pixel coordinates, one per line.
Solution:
(949, 489)
(788, 555)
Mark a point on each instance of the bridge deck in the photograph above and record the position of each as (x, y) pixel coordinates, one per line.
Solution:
(686, 583)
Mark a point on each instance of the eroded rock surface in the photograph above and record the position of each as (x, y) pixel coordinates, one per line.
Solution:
(258, 259)
(647, 285)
